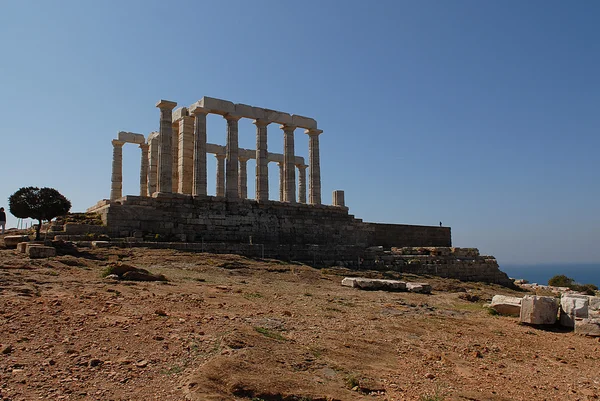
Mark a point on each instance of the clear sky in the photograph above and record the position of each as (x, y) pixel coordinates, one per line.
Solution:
(483, 115)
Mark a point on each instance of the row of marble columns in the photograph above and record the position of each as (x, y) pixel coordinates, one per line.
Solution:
(189, 147)
(231, 168)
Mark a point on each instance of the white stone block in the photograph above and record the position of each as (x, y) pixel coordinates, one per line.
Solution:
(131, 137)
(538, 310)
(374, 284)
(100, 244)
(304, 122)
(594, 306)
(217, 106)
(22, 247)
(36, 251)
(422, 288)
(573, 306)
(588, 327)
(506, 305)
(11, 241)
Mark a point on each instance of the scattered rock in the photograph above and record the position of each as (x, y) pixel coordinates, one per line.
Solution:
(422, 288)
(142, 363)
(506, 305)
(95, 362)
(588, 327)
(36, 251)
(7, 349)
(538, 310)
(374, 284)
(11, 241)
(573, 306)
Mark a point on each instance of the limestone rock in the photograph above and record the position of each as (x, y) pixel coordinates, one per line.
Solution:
(22, 247)
(594, 306)
(374, 284)
(538, 310)
(100, 244)
(588, 327)
(573, 306)
(506, 305)
(40, 251)
(422, 288)
(11, 241)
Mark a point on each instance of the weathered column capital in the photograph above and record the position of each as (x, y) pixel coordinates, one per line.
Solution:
(243, 159)
(261, 122)
(220, 156)
(166, 104)
(301, 166)
(196, 109)
(231, 117)
(288, 128)
(116, 142)
(144, 146)
(313, 132)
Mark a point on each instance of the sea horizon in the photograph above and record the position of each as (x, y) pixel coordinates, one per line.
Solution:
(581, 273)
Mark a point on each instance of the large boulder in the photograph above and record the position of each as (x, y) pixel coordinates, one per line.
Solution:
(422, 288)
(538, 310)
(573, 306)
(11, 241)
(588, 327)
(506, 305)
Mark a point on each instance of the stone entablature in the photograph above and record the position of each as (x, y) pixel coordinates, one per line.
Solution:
(174, 159)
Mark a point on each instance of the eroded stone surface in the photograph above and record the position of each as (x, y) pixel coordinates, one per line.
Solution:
(573, 306)
(538, 310)
(11, 241)
(506, 305)
(36, 251)
(588, 327)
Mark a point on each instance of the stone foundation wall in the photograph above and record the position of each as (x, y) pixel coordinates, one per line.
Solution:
(215, 219)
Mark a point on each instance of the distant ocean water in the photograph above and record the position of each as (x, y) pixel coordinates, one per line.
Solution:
(588, 273)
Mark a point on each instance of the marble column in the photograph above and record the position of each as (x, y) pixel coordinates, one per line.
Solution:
(165, 147)
(262, 162)
(175, 151)
(281, 181)
(144, 169)
(301, 182)
(314, 161)
(338, 198)
(220, 175)
(199, 184)
(243, 178)
(231, 168)
(186, 155)
(116, 186)
(289, 168)
(152, 164)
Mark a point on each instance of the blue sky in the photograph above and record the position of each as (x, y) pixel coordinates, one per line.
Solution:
(484, 115)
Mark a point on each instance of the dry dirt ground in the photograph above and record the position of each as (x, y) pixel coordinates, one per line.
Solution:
(226, 327)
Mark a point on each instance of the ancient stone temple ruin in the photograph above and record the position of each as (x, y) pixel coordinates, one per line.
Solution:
(175, 210)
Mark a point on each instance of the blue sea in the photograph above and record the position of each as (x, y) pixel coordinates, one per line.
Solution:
(582, 273)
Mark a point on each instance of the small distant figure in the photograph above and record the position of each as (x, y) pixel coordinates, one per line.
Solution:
(440, 223)
(2, 219)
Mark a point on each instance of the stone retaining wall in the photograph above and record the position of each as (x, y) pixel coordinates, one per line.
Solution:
(215, 219)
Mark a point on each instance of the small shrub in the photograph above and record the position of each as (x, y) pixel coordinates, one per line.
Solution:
(271, 334)
(561, 280)
(351, 381)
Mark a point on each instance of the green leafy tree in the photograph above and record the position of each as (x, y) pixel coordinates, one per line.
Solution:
(39, 204)
(561, 281)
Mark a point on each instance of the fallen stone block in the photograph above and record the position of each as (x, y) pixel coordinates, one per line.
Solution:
(374, 284)
(573, 306)
(422, 288)
(506, 305)
(40, 251)
(588, 327)
(22, 247)
(100, 244)
(11, 241)
(594, 306)
(538, 310)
